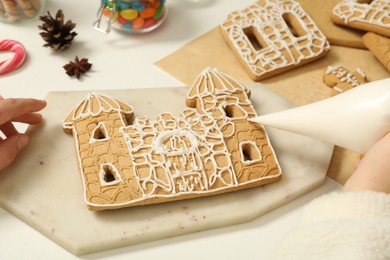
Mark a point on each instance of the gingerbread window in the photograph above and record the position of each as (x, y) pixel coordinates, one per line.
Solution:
(235, 112)
(99, 133)
(109, 175)
(250, 153)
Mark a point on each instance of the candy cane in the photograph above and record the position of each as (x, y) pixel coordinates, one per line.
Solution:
(17, 60)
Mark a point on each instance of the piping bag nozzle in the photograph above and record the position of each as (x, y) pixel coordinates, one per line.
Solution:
(355, 119)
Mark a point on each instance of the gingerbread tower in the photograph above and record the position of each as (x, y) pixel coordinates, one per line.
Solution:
(227, 100)
(101, 149)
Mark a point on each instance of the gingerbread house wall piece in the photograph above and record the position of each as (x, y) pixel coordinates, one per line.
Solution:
(273, 36)
(211, 148)
(373, 16)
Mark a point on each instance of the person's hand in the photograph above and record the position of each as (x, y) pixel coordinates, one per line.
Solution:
(373, 172)
(16, 110)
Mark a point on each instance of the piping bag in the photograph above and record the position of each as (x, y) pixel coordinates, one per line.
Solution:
(355, 119)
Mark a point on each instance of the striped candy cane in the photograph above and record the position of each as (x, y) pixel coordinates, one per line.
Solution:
(17, 60)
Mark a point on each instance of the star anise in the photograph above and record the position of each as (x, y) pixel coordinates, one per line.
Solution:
(77, 67)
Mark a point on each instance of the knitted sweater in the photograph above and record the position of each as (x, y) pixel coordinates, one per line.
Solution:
(341, 225)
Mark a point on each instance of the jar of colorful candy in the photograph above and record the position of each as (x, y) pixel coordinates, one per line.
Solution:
(12, 11)
(137, 16)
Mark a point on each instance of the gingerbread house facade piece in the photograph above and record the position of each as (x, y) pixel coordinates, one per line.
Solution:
(272, 36)
(366, 15)
(211, 148)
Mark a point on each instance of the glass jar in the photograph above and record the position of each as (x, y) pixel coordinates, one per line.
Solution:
(13, 11)
(137, 16)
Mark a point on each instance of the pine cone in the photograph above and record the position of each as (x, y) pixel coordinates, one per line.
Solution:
(58, 35)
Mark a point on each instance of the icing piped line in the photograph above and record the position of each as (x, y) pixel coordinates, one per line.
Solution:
(85, 108)
(344, 76)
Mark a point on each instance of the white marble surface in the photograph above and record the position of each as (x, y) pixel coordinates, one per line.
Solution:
(43, 187)
(256, 239)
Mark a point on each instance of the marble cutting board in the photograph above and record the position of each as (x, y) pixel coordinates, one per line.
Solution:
(43, 187)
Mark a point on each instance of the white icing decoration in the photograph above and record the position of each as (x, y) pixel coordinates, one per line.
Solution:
(100, 126)
(344, 76)
(179, 173)
(86, 109)
(374, 13)
(159, 147)
(331, 69)
(268, 21)
(114, 171)
(358, 70)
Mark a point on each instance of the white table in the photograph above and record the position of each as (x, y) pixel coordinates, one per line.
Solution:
(123, 61)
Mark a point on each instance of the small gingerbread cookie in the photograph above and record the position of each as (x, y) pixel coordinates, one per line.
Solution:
(379, 46)
(210, 149)
(372, 16)
(2, 11)
(11, 12)
(273, 36)
(341, 79)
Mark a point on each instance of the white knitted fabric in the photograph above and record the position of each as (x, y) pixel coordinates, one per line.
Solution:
(341, 225)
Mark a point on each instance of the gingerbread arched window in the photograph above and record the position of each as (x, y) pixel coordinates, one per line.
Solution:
(109, 175)
(250, 153)
(99, 133)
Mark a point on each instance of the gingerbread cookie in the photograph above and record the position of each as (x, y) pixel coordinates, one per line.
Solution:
(2, 11)
(273, 36)
(379, 46)
(211, 148)
(320, 12)
(10, 12)
(14, 10)
(372, 16)
(341, 79)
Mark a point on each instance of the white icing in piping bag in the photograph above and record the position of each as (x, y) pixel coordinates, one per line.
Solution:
(355, 119)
